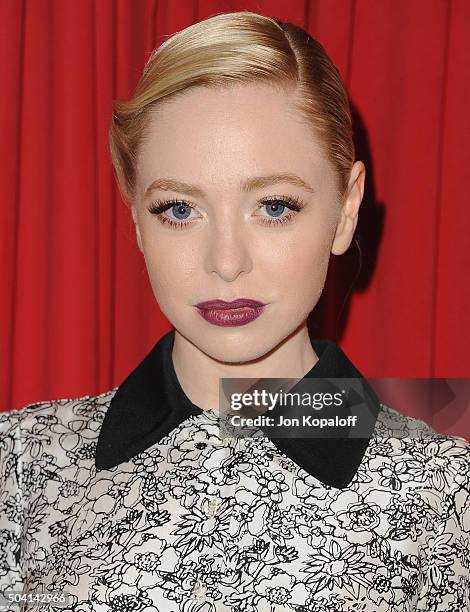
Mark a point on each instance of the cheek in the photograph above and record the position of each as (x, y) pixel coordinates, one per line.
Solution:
(300, 263)
(171, 268)
(303, 279)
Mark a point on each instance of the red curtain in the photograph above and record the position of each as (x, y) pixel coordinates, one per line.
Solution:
(77, 311)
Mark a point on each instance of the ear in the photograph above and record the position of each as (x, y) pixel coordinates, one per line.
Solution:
(350, 209)
(137, 229)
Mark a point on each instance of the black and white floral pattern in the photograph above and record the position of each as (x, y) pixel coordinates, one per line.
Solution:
(199, 523)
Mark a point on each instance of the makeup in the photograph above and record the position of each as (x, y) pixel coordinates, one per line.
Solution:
(237, 312)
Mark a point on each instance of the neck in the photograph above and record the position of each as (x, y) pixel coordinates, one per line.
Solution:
(198, 373)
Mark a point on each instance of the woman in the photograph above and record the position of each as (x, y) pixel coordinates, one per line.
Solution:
(235, 156)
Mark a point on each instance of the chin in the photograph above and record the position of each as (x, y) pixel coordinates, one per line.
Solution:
(238, 344)
(232, 353)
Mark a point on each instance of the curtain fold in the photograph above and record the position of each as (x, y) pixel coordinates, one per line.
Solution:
(77, 310)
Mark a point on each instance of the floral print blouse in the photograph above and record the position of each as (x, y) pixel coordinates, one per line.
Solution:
(190, 521)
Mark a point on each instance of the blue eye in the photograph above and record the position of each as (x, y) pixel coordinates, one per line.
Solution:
(274, 207)
(179, 209)
(277, 206)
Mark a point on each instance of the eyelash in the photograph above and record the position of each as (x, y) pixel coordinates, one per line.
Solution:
(158, 207)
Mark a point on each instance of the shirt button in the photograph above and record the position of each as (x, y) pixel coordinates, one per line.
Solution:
(199, 590)
(212, 507)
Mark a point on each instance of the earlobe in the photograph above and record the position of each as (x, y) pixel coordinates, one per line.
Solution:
(344, 234)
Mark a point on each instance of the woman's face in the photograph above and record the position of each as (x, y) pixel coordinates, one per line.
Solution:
(226, 242)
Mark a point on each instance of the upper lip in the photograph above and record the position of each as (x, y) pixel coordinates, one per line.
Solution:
(222, 305)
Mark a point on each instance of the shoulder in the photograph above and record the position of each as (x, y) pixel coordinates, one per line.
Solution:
(391, 422)
(415, 442)
(40, 421)
(83, 405)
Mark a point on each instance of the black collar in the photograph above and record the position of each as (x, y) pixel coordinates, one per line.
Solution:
(150, 403)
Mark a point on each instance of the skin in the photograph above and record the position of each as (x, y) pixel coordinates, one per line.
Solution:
(215, 138)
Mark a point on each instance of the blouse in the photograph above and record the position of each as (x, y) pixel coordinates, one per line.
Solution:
(132, 500)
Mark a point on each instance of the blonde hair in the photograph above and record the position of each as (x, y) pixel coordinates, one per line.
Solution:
(238, 47)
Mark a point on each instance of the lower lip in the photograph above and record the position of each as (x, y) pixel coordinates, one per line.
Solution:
(232, 317)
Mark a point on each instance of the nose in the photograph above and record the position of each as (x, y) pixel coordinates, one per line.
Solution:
(228, 250)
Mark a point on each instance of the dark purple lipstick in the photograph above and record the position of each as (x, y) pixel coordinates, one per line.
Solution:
(237, 312)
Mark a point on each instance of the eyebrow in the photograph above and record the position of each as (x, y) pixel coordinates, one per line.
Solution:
(249, 184)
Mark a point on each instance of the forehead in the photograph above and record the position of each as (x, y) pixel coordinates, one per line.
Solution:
(222, 134)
